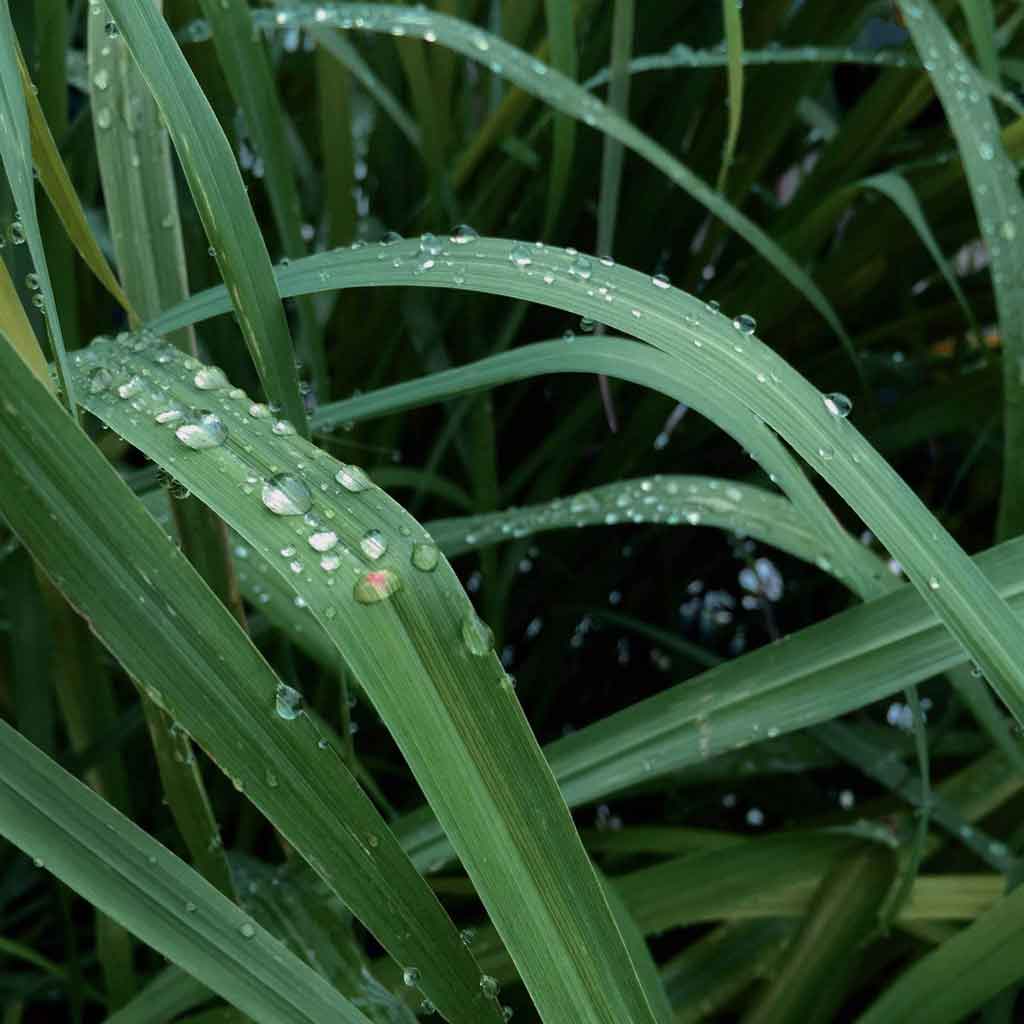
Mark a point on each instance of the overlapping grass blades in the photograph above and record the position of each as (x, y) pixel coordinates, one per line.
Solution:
(408, 632)
(172, 635)
(116, 866)
(219, 194)
(725, 359)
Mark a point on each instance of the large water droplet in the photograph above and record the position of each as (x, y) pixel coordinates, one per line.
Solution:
(425, 556)
(286, 495)
(838, 404)
(211, 378)
(323, 540)
(373, 544)
(476, 634)
(353, 479)
(287, 702)
(745, 323)
(519, 255)
(463, 234)
(205, 431)
(410, 976)
(376, 585)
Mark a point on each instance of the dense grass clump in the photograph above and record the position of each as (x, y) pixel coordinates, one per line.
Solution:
(511, 510)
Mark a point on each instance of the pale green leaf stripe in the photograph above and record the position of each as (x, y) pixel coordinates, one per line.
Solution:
(16, 153)
(566, 96)
(998, 204)
(865, 654)
(981, 24)
(453, 713)
(948, 984)
(716, 355)
(732, 19)
(117, 867)
(169, 994)
(219, 193)
(168, 630)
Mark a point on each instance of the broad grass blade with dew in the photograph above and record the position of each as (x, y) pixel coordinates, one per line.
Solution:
(726, 359)
(565, 96)
(16, 154)
(172, 635)
(406, 629)
(219, 193)
(116, 866)
(998, 202)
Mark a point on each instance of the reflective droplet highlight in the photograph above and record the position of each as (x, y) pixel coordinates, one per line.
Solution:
(206, 431)
(211, 378)
(373, 544)
(838, 404)
(376, 586)
(353, 479)
(287, 702)
(286, 495)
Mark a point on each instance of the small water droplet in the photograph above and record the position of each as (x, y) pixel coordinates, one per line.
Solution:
(247, 930)
(373, 544)
(353, 479)
(661, 281)
(130, 388)
(489, 986)
(411, 976)
(838, 404)
(259, 411)
(286, 495)
(211, 378)
(582, 268)
(425, 556)
(16, 232)
(826, 452)
(476, 635)
(330, 563)
(207, 430)
(283, 428)
(287, 702)
(933, 583)
(745, 323)
(375, 586)
(467, 935)
(100, 380)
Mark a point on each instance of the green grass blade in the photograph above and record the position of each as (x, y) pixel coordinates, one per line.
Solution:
(410, 636)
(733, 22)
(244, 62)
(220, 198)
(822, 960)
(135, 880)
(981, 24)
(53, 176)
(564, 95)
(896, 188)
(171, 993)
(948, 984)
(16, 154)
(722, 356)
(997, 199)
(562, 41)
(171, 634)
(618, 100)
(17, 331)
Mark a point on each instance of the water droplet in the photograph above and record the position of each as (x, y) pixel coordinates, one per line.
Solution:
(375, 586)
(259, 411)
(745, 323)
(986, 151)
(519, 255)
(463, 234)
(323, 540)
(130, 388)
(111, 30)
(427, 1008)
(99, 380)
(286, 495)
(330, 563)
(838, 404)
(489, 986)
(247, 930)
(287, 702)
(353, 479)
(582, 268)
(283, 428)
(32, 282)
(661, 281)
(104, 119)
(171, 415)
(467, 935)
(826, 452)
(373, 544)
(933, 583)
(425, 556)
(476, 634)
(16, 232)
(205, 431)
(411, 976)
(211, 378)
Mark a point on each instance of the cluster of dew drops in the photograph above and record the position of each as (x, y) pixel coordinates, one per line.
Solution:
(285, 494)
